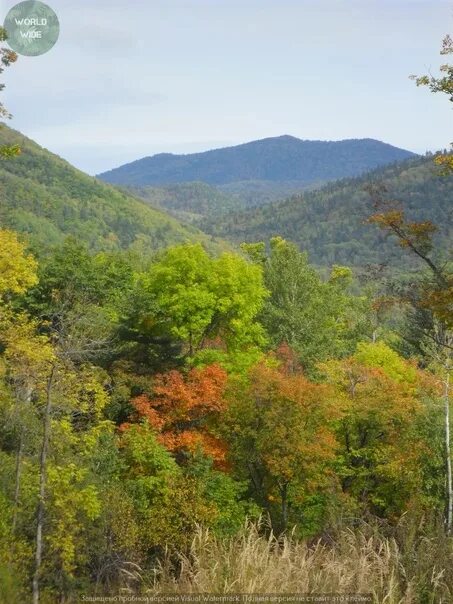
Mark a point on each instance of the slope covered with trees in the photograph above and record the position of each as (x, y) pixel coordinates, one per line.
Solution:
(330, 223)
(45, 197)
(190, 202)
(194, 202)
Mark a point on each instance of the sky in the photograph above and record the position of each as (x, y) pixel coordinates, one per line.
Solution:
(131, 78)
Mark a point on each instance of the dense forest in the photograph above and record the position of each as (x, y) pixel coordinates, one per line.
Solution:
(190, 202)
(180, 416)
(45, 197)
(330, 222)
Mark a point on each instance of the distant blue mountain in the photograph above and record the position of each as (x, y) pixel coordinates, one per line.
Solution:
(279, 159)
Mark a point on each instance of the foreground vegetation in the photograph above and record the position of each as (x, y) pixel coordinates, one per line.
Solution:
(138, 404)
(403, 564)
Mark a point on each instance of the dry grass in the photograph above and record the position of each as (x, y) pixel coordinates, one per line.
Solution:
(403, 568)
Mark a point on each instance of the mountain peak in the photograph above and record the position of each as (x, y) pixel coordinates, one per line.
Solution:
(275, 159)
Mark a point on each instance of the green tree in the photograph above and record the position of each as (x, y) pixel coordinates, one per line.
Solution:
(316, 318)
(167, 505)
(382, 454)
(203, 299)
(17, 268)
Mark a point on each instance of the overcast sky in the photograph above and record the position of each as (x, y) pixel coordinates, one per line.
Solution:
(129, 78)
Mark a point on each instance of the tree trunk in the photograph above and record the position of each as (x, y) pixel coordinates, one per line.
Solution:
(17, 478)
(190, 344)
(284, 507)
(448, 453)
(20, 448)
(42, 486)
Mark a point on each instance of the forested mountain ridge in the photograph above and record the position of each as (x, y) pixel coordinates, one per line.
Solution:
(277, 159)
(47, 198)
(44, 196)
(330, 223)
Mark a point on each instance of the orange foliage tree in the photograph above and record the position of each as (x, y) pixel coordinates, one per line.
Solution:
(183, 410)
(279, 428)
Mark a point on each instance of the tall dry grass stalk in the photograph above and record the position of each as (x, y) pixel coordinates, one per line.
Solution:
(404, 568)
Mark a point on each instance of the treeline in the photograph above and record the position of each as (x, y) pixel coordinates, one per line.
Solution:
(140, 400)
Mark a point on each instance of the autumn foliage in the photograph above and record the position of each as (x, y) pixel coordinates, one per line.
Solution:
(183, 408)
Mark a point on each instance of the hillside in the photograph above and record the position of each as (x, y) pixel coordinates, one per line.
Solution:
(280, 159)
(193, 202)
(253, 193)
(44, 196)
(190, 202)
(329, 222)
